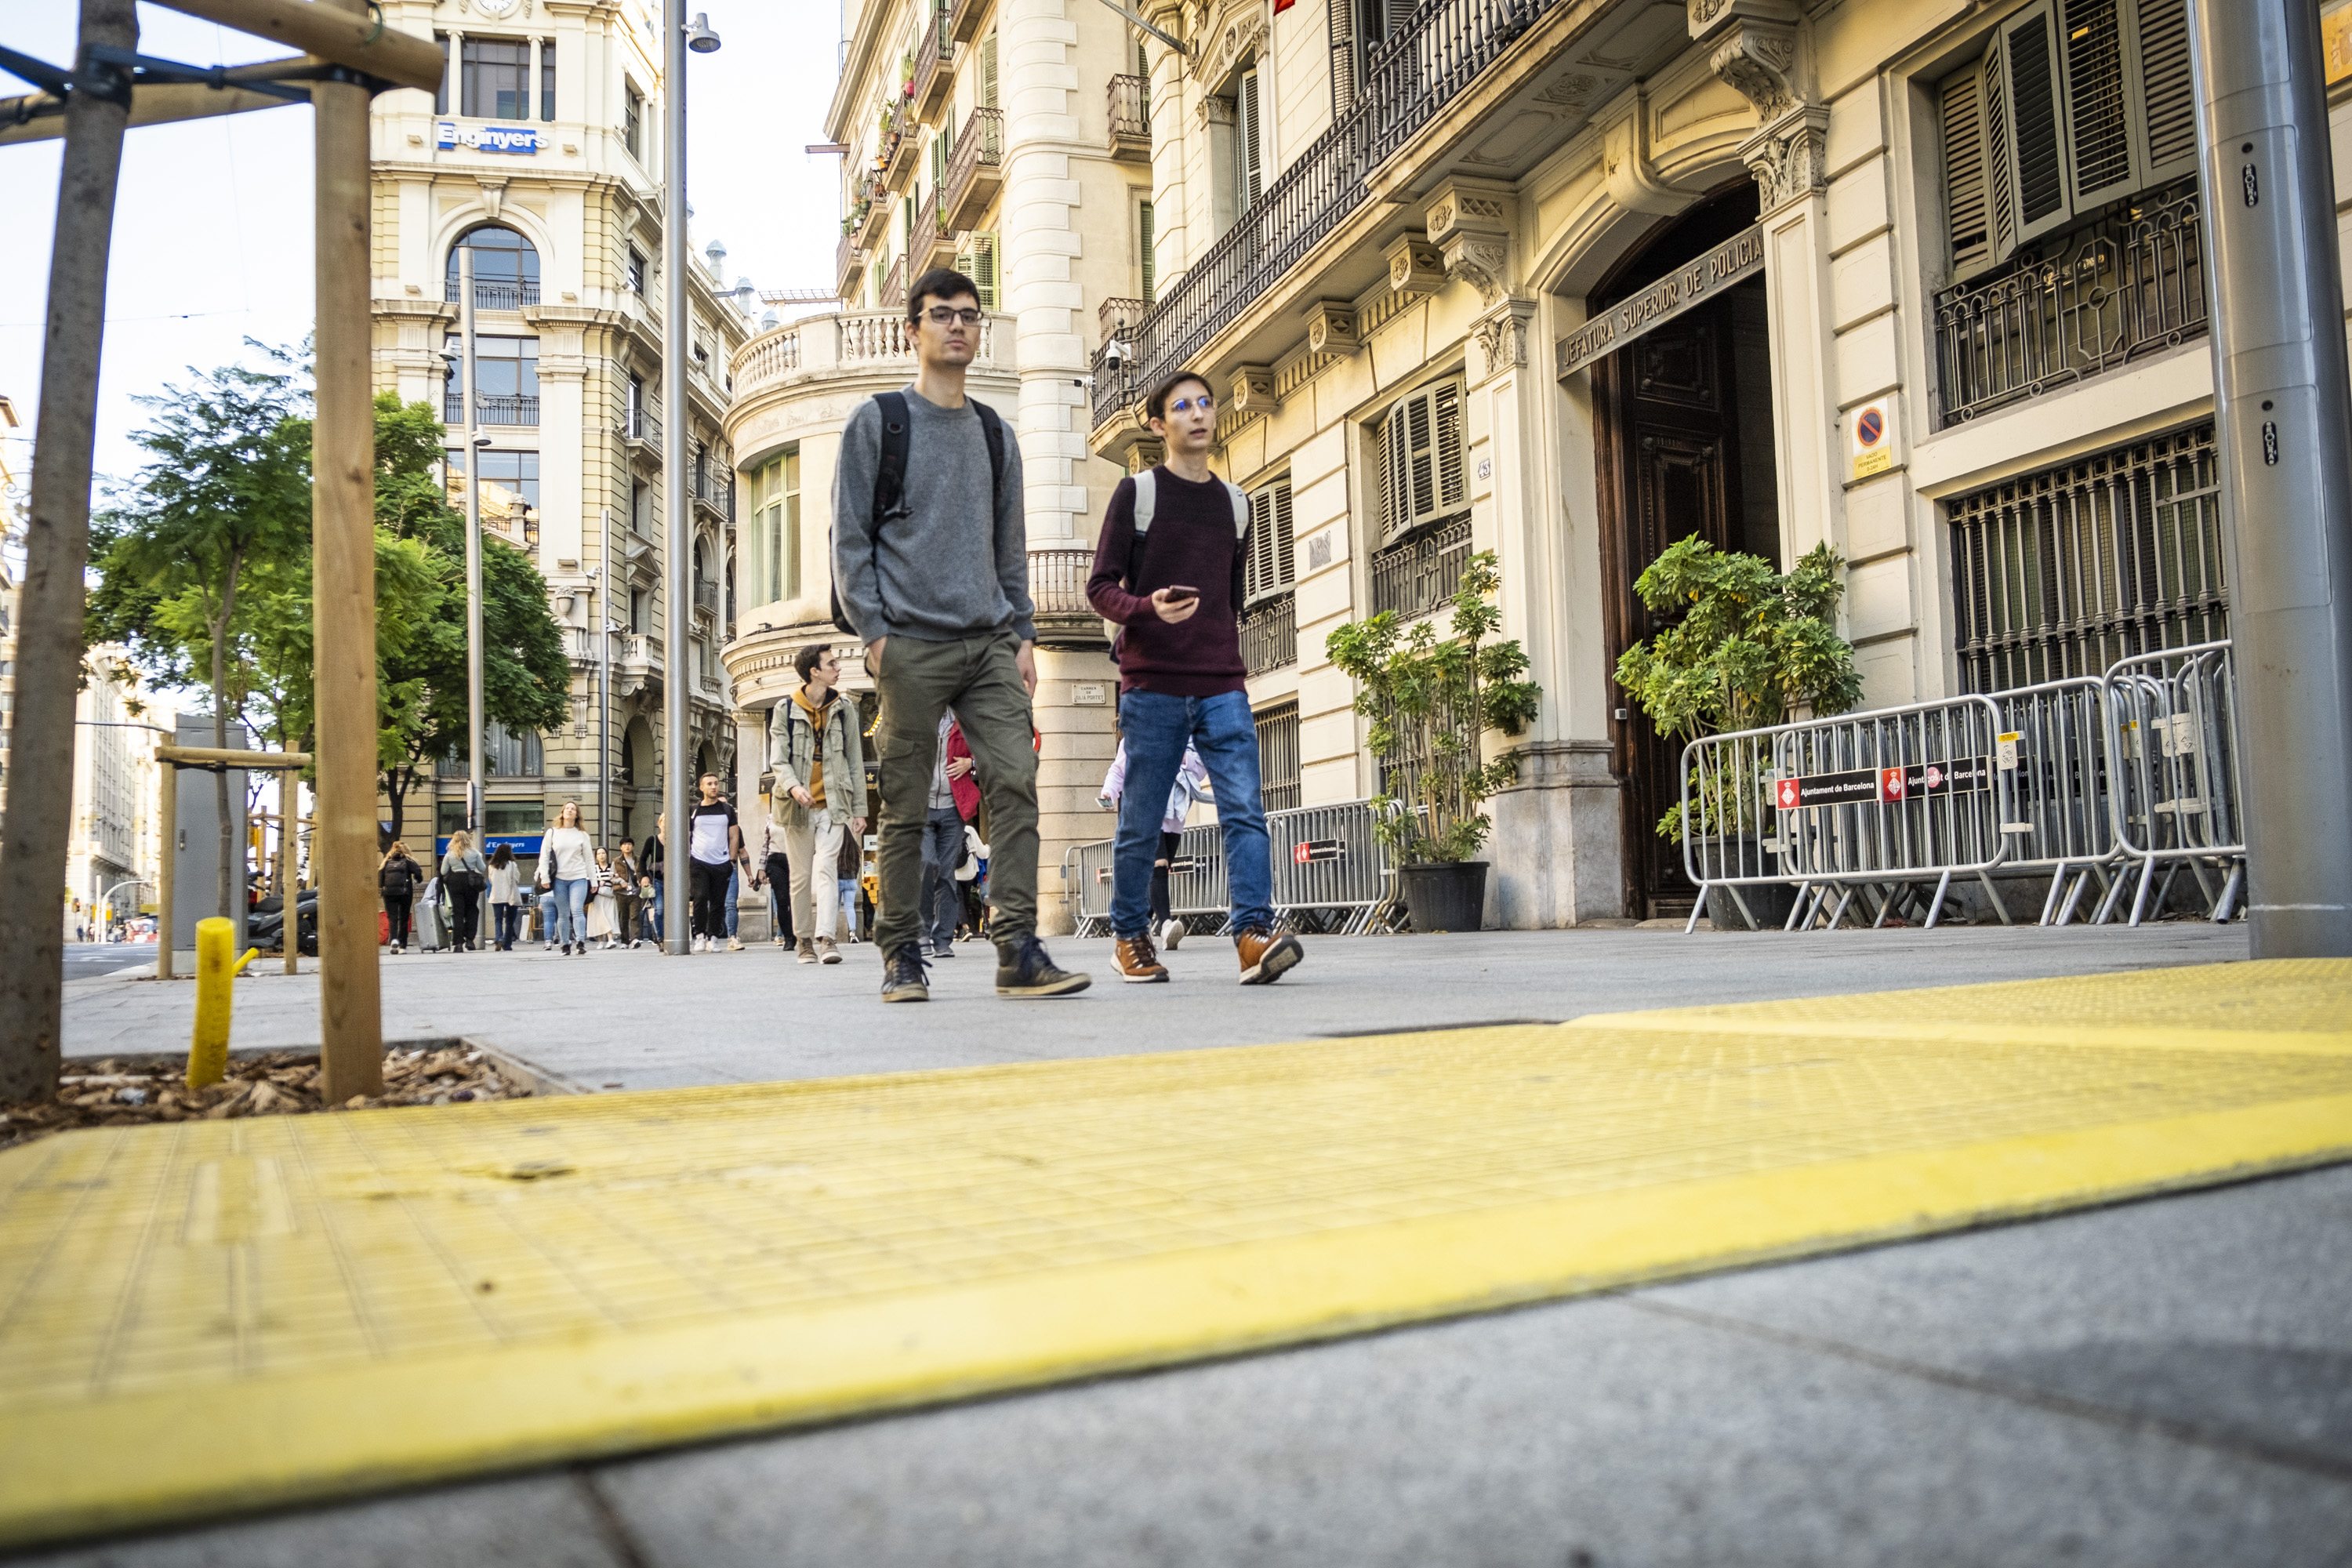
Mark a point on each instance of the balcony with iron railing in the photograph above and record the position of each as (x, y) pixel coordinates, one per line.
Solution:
(902, 144)
(848, 267)
(495, 293)
(1058, 590)
(894, 283)
(931, 246)
(964, 19)
(642, 426)
(867, 344)
(1115, 316)
(1130, 117)
(509, 409)
(1416, 575)
(2060, 312)
(1409, 76)
(975, 170)
(934, 63)
(1270, 634)
(875, 224)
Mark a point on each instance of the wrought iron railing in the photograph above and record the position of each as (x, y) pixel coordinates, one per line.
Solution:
(848, 262)
(934, 56)
(495, 293)
(1277, 757)
(1415, 575)
(1411, 74)
(1131, 110)
(2063, 571)
(894, 284)
(926, 238)
(1114, 317)
(1270, 636)
(639, 422)
(2130, 284)
(980, 145)
(510, 408)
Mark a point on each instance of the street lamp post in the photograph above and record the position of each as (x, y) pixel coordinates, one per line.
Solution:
(678, 38)
(475, 442)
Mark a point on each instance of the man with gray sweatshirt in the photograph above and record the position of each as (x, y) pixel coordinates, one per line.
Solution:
(930, 567)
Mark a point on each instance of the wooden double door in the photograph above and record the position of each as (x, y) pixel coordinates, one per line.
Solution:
(1685, 438)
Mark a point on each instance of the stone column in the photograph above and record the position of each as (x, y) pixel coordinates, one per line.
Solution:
(1038, 231)
(752, 812)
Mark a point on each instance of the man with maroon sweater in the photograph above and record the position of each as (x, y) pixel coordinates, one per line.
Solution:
(1168, 570)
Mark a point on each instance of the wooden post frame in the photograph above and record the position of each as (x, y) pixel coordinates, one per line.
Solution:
(333, 30)
(342, 544)
(172, 759)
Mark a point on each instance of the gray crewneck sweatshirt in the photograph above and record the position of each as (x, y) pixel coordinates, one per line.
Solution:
(954, 564)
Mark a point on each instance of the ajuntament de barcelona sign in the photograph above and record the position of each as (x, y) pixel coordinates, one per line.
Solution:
(1693, 283)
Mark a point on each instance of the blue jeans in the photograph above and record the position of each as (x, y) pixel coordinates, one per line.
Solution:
(1220, 727)
(734, 891)
(569, 920)
(943, 848)
(507, 919)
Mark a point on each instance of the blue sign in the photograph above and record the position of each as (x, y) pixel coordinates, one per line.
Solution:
(489, 138)
(524, 845)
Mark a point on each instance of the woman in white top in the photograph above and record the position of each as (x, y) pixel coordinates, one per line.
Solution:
(505, 898)
(567, 864)
(604, 909)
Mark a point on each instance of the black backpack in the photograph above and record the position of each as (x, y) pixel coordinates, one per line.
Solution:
(890, 479)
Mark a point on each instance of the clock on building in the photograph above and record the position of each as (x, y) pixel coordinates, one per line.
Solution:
(496, 9)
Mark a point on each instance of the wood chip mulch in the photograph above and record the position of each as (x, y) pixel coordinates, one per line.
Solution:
(115, 1091)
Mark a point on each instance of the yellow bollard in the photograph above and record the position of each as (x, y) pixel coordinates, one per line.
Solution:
(208, 1046)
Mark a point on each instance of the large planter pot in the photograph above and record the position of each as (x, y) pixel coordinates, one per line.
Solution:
(1769, 902)
(1448, 895)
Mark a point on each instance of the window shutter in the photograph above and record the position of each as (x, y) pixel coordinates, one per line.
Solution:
(1422, 477)
(547, 79)
(2000, 176)
(441, 88)
(983, 268)
(1964, 170)
(988, 72)
(2170, 99)
(2036, 134)
(1396, 471)
(1446, 446)
(938, 162)
(1285, 565)
(1259, 572)
(1145, 243)
(2099, 114)
(1249, 172)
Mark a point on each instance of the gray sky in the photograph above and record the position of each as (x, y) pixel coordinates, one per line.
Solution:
(212, 236)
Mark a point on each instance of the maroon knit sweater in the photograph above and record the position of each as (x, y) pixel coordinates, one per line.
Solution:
(1192, 541)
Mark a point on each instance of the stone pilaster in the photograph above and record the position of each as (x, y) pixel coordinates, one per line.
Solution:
(1036, 66)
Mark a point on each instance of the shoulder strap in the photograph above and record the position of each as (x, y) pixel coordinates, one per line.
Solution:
(991, 425)
(890, 481)
(1147, 498)
(1240, 510)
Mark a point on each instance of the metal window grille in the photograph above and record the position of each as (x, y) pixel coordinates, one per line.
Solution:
(2062, 572)
(1270, 634)
(1415, 575)
(1278, 756)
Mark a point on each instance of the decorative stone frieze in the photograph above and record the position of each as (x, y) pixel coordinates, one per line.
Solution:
(1252, 393)
(1228, 33)
(1470, 222)
(1145, 455)
(1501, 337)
(1331, 328)
(1415, 266)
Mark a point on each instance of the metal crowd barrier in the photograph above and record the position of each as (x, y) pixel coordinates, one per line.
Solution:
(2172, 738)
(2086, 780)
(1328, 869)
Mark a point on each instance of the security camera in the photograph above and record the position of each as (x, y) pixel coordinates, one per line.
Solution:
(1115, 353)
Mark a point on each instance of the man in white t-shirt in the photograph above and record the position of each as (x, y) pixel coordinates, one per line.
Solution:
(714, 847)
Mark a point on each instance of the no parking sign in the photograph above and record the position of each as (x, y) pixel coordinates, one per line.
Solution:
(1873, 438)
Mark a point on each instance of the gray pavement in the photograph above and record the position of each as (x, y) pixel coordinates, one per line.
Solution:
(2165, 1381)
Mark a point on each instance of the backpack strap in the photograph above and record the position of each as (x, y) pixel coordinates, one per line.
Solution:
(1241, 511)
(991, 425)
(1146, 501)
(890, 481)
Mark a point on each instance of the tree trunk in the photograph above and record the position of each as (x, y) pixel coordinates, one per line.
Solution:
(220, 737)
(56, 552)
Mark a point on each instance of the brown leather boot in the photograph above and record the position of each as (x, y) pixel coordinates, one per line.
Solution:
(1137, 965)
(1266, 957)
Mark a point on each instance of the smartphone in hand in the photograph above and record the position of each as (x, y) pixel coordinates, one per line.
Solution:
(1177, 593)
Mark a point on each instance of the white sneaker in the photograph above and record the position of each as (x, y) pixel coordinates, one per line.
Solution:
(733, 945)
(1171, 935)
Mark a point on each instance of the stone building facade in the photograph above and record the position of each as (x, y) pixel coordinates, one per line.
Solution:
(543, 154)
(1008, 138)
(1569, 279)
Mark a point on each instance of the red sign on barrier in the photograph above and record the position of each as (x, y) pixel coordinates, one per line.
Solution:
(1884, 786)
(1858, 785)
(1310, 849)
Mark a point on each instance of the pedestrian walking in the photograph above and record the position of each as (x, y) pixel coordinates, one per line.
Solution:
(1168, 570)
(818, 754)
(971, 883)
(506, 907)
(775, 873)
(954, 801)
(464, 875)
(397, 880)
(930, 557)
(604, 911)
(1191, 784)
(714, 847)
(567, 866)
(626, 880)
(845, 883)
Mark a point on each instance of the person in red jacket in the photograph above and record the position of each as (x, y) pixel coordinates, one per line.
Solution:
(955, 800)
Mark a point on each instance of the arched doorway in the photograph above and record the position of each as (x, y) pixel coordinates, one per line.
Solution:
(1683, 445)
(506, 267)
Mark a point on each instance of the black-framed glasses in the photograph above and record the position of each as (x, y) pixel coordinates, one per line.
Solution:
(1205, 402)
(947, 315)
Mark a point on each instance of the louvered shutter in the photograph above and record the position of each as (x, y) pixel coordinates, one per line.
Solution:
(987, 71)
(1452, 480)
(1285, 561)
(2037, 136)
(1249, 166)
(1396, 472)
(1965, 214)
(2099, 104)
(1422, 473)
(983, 268)
(2001, 173)
(2167, 99)
(1146, 243)
(938, 162)
(1259, 572)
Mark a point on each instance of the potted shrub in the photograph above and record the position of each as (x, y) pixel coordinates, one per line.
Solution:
(1431, 697)
(1747, 647)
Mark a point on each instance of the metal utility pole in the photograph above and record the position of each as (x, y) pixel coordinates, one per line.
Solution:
(677, 529)
(56, 552)
(600, 616)
(474, 770)
(2284, 418)
(342, 544)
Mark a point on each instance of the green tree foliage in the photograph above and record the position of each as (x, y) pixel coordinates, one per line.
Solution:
(203, 569)
(1746, 646)
(1430, 700)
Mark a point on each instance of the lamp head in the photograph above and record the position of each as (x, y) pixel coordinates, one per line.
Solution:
(699, 35)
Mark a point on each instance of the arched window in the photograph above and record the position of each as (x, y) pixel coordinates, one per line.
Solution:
(506, 268)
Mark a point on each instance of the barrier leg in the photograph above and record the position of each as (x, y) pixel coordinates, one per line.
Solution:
(2230, 891)
(1740, 904)
(1698, 907)
(1804, 890)
(2114, 901)
(2075, 894)
(2050, 899)
(2139, 899)
(1839, 913)
(1993, 893)
(1935, 907)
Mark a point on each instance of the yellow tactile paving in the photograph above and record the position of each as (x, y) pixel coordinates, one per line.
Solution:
(218, 1315)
